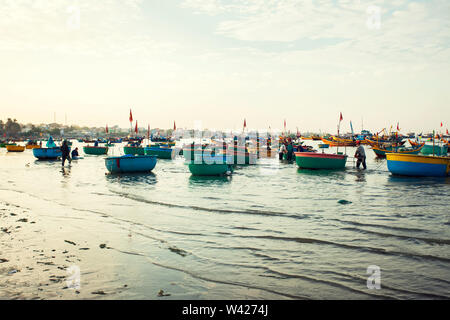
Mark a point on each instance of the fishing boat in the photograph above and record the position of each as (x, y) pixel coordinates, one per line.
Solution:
(131, 150)
(47, 153)
(130, 163)
(324, 145)
(95, 150)
(436, 150)
(207, 165)
(316, 160)
(12, 148)
(160, 152)
(418, 165)
(341, 143)
(381, 152)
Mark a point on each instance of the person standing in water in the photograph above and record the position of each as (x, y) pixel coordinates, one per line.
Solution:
(65, 152)
(290, 151)
(360, 154)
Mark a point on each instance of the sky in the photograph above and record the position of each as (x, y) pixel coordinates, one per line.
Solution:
(216, 62)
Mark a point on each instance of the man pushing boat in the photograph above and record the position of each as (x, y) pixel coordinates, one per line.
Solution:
(360, 154)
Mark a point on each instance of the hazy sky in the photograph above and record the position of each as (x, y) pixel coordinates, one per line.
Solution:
(220, 61)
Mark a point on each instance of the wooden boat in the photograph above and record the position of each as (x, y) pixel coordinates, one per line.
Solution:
(95, 150)
(418, 165)
(128, 150)
(324, 145)
(316, 160)
(160, 152)
(316, 138)
(339, 143)
(32, 146)
(394, 143)
(12, 148)
(381, 153)
(211, 165)
(436, 150)
(130, 163)
(47, 153)
(413, 143)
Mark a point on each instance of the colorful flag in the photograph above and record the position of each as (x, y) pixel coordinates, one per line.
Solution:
(441, 124)
(245, 123)
(131, 116)
(136, 128)
(174, 126)
(398, 128)
(341, 118)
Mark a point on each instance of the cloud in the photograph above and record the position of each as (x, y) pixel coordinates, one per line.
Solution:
(76, 27)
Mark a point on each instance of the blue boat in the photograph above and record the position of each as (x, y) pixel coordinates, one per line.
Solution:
(418, 165)
(47, 153)
(130, 163)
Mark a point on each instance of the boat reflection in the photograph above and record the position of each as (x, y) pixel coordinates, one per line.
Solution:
(132, 178)
(208, 181)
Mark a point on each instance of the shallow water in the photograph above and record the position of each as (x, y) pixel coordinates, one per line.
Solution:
(268, 231)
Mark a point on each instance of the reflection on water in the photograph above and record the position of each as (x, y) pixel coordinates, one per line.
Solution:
(217, 181)
(136, 178)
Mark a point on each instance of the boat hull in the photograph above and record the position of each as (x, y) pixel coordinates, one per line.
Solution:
(47, 153)
(134, 151)
(12, 148)
(418, 165)
(204, 169)
(381, 153)
(95, 150)
(130, 163)
(314, 160)
(160, 153)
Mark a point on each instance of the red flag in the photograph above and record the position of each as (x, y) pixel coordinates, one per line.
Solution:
(284, 124)
(245, 123)
(131, 116)
(136, 128)
(174, 126)
(106, 128)
(341, 117)
(441, 124)
(447, 131)
(398, 128)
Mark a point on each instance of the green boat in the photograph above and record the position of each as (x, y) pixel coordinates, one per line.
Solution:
(159, 152)
(429, 149)
(316, 160)
(205, 169)
(134, 150)
(3, 145)
(95, 150)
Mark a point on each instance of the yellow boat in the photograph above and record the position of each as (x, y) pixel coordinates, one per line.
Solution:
(32, 146)
(15, 148)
